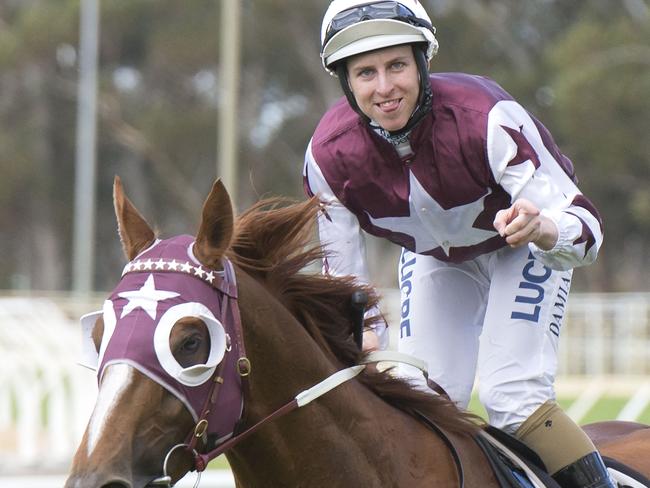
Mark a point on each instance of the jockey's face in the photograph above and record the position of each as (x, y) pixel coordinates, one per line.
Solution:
(385, 85)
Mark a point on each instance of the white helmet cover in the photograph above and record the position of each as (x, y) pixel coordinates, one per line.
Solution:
(372, 26)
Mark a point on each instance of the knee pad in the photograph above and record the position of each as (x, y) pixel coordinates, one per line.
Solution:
(549, 427)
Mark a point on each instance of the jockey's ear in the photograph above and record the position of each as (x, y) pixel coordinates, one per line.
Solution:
(216, 228)
(135, 233)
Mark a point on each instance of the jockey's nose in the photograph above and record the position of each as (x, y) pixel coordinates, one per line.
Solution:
(384, 84)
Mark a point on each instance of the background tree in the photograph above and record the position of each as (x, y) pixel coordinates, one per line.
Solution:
(582, 67)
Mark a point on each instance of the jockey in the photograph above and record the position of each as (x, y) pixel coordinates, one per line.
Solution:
(485, 207)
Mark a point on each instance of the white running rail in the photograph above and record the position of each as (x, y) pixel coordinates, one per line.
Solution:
(45, 397)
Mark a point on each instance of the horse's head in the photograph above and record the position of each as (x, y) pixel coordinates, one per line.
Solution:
(160, 347)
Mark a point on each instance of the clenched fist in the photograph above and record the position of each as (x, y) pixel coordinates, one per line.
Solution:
(522, 223)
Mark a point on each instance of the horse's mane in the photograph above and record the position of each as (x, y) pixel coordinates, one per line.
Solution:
(274, 242)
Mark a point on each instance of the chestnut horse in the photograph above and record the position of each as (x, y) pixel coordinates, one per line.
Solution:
(245, 330)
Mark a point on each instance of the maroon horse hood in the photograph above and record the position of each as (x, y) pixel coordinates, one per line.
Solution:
(159, 287)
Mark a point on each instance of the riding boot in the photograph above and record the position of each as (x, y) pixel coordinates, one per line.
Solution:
(587, 472)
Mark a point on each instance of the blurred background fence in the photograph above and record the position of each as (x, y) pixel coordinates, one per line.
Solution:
(603, 333)
(46, 398)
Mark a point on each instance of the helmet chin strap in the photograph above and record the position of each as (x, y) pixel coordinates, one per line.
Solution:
(342, 74)
(424, 99)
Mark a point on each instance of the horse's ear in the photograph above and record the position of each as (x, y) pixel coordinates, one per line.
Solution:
(216, 228)
(135, 233)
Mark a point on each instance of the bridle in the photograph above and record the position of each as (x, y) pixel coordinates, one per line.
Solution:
(226, 283)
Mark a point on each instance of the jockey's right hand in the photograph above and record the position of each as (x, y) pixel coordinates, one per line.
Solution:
(523, 222)
(370, 341)
(376, 336)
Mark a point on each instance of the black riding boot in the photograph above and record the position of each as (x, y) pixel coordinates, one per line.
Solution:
(587, 472)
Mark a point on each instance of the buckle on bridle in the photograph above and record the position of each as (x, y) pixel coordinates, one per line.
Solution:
(201, 428)
(243, 366)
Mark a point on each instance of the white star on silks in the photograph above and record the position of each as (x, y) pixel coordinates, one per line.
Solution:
(146, 298)
(437, 226)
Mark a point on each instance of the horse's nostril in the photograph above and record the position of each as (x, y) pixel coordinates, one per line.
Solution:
(116, 484)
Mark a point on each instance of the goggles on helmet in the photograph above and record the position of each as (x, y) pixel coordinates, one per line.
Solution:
(372, 11)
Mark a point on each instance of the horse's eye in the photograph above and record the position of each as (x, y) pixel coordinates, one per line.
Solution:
(191, 344)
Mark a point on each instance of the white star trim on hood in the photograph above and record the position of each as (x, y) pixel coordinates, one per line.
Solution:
(146, 298)
(432, 226)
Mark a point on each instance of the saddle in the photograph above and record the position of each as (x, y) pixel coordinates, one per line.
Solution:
(517, 466)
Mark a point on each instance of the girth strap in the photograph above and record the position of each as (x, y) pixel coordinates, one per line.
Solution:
(450, 445)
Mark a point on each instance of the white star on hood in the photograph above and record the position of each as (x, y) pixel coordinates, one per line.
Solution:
(432, 226)
(146, 298)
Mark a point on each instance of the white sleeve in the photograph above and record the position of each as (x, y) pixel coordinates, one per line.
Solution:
(341, 238)
(525, 168)
(338, 228)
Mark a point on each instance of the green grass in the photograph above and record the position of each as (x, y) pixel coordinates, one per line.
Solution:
(645, 416)
(219, 462)
(606, 408)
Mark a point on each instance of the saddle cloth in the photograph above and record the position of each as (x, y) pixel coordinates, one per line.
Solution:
(516, 466)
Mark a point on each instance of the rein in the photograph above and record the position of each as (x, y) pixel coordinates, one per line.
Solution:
(300, 400)
(201, 460)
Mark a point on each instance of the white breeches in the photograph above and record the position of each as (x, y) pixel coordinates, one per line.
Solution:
(496, 318)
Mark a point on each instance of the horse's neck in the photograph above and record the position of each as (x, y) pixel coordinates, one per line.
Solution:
(284, 358)
(285, 361)
(348, 437)
(344, 437)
